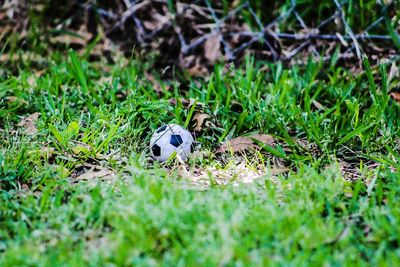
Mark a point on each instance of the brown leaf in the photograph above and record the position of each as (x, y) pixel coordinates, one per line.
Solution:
(199, 121)
(243, 143)
(93, 174)
(395, 96)
(157, 86)
(24, 187)
(29, 123)
(193, 65)
(318, 105)
(157, 22)
(212, 48)
(394, 72)
(13, 99)
(47, 152)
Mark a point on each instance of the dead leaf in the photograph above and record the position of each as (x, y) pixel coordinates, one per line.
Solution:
(158, 21)
(243, 143)
(395, 96)
(24, 187)
(318, 105)
(30, 123)
(93, 174)
(235, 174)
(157, 86)
(45, 152)
(13, 99)
(276, 170)
(394, 72)
(31, 80)
(193, 65)
(212, 48)
(199, 121)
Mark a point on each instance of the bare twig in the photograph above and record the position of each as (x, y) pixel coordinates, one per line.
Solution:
(348, 29)
(138, 23)
(270, 47)
(198, 41)
(299, 36)
(128, 13)
(296, 50)
(227, 49)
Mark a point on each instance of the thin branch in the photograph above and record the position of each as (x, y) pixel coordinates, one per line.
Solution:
(243, 46)
(348, 29)
(296, 50)
(275, 55)
(227, 49)
(326, 21)
(299, 36)
(138, 23)
(312, 36)
(301, 21)
(278, 19)
(128, 13)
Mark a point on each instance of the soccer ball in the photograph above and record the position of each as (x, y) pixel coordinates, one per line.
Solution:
(168, 139)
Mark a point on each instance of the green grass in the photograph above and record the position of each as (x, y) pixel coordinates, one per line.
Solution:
(151, 215)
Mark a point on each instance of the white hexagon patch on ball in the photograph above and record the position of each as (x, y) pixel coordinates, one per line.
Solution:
(168, 139)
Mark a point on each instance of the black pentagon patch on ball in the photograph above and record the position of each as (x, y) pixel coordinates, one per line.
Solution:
(192, 148)
(156, 150)
(176, 140)
(162, 128)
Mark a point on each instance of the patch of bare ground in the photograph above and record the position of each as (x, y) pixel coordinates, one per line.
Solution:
(93, 174)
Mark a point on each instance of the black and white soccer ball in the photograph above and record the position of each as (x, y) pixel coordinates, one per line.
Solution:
(168, 139)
